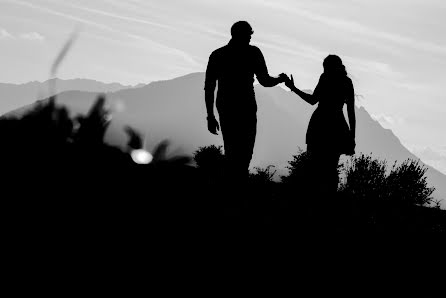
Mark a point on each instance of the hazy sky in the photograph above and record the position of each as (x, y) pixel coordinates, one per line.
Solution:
(394, 50)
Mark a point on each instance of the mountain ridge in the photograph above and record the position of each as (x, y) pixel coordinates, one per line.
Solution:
(18, 95)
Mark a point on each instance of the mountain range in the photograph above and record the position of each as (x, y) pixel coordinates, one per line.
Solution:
(175, 110)
(14, 96)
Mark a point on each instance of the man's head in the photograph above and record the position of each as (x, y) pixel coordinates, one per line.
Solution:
(241, 32)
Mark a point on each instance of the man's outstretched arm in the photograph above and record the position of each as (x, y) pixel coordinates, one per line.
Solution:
(269, 81)
(262, 72)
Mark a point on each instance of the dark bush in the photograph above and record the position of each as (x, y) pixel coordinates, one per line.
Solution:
(263, 175)
(364, 178)
(298, 168)
(210, 162)
(407, 183)
(367, 178)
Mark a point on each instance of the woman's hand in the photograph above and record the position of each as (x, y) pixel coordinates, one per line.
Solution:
(290, 83)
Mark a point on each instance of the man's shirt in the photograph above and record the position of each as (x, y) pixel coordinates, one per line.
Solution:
(234, 67)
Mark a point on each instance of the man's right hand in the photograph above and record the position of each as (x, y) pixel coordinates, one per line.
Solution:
(213, 125)
(283, 78)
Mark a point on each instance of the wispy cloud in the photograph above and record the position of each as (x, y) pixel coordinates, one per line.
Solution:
(381, 69)
(32, 36)
(153, 44)
(66, 16)
(388, 121)
(414, 87)
(291, 47)
(5, 34)
(430, 153)
(354, 27)
(120, 17)
(435, 157)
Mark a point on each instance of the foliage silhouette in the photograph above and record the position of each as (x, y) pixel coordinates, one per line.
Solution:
(407, 183)
(60, 177)
(297, 168)
(209, 157)
(367, 178)
(210, 162)
(263, 175)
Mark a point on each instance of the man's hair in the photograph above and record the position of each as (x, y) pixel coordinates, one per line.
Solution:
(241, 28)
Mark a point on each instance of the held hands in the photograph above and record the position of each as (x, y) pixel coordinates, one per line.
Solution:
(213, 125)
(290, 82)
(283, 77)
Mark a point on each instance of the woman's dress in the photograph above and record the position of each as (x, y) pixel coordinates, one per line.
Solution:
(328, 131)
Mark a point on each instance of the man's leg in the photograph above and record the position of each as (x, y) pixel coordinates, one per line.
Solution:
(239, 135)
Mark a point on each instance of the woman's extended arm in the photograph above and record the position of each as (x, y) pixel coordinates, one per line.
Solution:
(310, 98)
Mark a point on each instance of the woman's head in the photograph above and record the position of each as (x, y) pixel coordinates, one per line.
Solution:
(333, 65)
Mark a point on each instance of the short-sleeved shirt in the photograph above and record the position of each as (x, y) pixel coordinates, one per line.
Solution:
(234, 67)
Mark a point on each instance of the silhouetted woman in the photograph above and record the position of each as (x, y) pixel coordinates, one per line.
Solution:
(328, 134)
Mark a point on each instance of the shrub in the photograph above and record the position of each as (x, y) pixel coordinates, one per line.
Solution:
(367, 178)
(407, 183)
(209, 157)
(263, 176)
(298, 167)
(364, 177)
(210, 161)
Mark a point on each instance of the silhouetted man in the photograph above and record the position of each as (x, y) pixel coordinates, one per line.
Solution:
(233, 66)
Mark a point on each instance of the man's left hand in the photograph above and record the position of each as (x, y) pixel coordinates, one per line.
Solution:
(213, 125)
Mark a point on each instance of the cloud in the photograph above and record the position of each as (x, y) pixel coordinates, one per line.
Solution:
(429, 153)
(369, 66)
(32, 36)
(432, 156)
(121, 17)
(5, 34)
(154, 45)
(355, 27)
(291, 47)
(388, 121)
